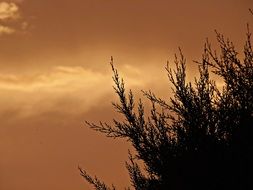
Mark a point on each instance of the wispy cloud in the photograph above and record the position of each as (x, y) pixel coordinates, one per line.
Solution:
(6, 30)
(61, 76)
(11, 19)
(8, 11)
(62, 89)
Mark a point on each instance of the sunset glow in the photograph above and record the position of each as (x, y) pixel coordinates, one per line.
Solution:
(55, 75)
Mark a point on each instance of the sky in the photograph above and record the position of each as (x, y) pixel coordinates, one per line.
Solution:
(55, 75)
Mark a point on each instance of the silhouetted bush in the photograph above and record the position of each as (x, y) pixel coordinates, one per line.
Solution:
(202, 138)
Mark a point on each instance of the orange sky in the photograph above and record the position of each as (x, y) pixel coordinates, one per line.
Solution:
(55, 74)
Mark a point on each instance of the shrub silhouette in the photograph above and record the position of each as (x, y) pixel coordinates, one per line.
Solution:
(202, 138)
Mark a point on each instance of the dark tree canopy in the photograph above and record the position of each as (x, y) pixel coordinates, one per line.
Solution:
(202, 137)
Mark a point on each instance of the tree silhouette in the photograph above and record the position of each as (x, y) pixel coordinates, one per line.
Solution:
(202, 138)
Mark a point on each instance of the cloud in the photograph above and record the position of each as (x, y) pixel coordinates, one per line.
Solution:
(8, 11)
(60, 76)
(63, 89)
(11, 20)
(6, 30)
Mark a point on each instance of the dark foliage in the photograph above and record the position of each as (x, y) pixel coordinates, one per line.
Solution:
(202, 138)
